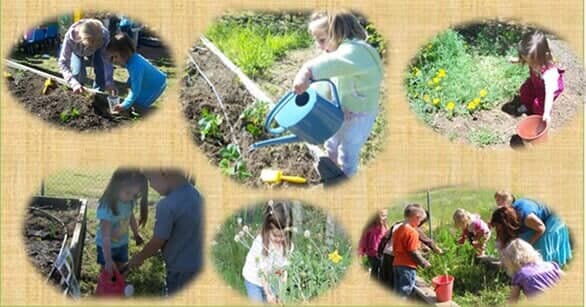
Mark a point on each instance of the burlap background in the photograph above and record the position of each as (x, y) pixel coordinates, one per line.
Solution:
(414, 157)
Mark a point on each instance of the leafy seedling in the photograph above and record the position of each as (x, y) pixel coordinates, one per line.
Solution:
(68, 115)
(209, 124)
(254, 116)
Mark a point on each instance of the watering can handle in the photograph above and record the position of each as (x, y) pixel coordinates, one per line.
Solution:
(273, 113)
(335, 90)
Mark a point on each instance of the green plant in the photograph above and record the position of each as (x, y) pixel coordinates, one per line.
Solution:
(483, 137)
(253, 43)
(450, 78)
(69, 114)
(376, 40)
(254, 117)
(231, 163)
(209, 124)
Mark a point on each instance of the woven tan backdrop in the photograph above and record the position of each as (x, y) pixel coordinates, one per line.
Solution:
(414, 157)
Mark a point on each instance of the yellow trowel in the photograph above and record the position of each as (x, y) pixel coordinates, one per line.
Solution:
(48, 83)
(274, 176)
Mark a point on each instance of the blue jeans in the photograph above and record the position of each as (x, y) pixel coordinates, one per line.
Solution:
(344, 146)
(255, 293)
(404, 280)
(119, 254)
(77, 65)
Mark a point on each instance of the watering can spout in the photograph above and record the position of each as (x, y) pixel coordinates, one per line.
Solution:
(291, 138)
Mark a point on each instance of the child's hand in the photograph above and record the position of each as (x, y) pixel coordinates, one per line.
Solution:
(79, 90)
(271, 299)
(135, 262)
(546, 118)
(118, 108)
(138, 239)
(302, 81)
(426, 264)
(514, 60)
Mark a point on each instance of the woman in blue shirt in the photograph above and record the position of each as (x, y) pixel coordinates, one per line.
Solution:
(540, 227)
(146, 82)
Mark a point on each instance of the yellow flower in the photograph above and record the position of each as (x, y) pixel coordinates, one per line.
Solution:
(436, 80)
(441, 73)
(435, 101)
(335, 257)
(450, 106)
(471, 106)
(483, 93)
(426, 98)
(476, 101)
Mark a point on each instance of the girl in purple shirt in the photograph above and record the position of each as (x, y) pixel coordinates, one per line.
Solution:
(529, 273)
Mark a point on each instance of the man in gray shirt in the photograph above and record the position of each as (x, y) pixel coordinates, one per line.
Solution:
(178, 228)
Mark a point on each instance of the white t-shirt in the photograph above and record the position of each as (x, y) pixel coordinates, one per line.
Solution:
(257, 265)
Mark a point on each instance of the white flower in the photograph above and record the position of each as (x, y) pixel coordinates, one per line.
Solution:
(236, 238)
(245, 228)
(241, 234)
(307, 234)
(214, 243)
(239, 221)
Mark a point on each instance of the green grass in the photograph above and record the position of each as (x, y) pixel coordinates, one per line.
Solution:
(255, 46)
(483, 137)
(457, 74)
(310, 272)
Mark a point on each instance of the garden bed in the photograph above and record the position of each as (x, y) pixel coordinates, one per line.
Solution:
(52, 223)
(199, 102)
(462, 85)
(59, 105)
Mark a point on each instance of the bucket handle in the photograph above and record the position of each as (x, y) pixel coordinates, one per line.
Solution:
(335, 90)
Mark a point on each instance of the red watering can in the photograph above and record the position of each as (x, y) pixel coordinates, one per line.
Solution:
(110, 284)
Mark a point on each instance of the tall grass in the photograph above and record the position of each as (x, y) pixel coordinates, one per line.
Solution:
(254, 46)
(453, 78)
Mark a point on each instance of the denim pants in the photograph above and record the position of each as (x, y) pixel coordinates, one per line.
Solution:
(254, 292)
(404, 280)
(78, 67)
(344, 147)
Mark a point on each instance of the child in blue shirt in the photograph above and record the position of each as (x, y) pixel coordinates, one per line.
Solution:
(146, 82)
(115, 215)
(178, 230)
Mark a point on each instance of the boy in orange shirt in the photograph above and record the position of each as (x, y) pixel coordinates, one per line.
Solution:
(405, 249)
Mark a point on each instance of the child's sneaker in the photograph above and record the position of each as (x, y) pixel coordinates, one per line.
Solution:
(522, 109)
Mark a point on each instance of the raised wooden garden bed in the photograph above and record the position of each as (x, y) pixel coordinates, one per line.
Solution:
(54, 239)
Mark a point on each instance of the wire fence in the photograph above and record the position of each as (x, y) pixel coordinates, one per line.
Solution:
(76, 183)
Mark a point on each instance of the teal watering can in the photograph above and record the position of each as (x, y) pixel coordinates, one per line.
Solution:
(310, 117)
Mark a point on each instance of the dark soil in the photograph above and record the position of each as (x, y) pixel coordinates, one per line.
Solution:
(293, 159)
(44, 236)
(503, 120)
(93, 110)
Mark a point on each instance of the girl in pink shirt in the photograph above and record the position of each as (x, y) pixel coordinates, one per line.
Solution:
(474, 229)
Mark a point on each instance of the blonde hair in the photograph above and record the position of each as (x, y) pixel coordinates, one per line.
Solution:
(90, 33)
(518, 254)
(504, 195)
(339, 25)
(462, 217)
(534, 46)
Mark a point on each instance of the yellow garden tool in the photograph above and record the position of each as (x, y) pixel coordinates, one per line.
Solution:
(48, 84)
(274, 176)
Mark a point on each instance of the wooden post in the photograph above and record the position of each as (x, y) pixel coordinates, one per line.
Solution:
(429, 212)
